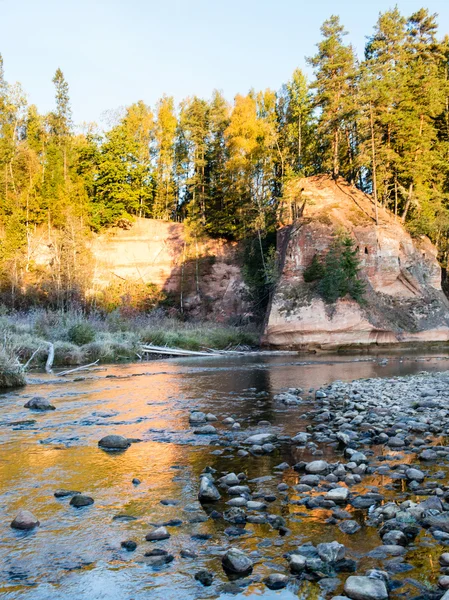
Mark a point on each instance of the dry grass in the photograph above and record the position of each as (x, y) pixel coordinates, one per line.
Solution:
(79, 338)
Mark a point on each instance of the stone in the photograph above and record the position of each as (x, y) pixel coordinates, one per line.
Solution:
(301, 438)
(204, 577)
(158, 534)
(114, 442)
(276, 581)
(208, 492)
(317, 466)
(254, 505)
(25, 521)
(444, 559)
(62, 493)
(186, 553)
(197, 417)
(206, 430)
(39, 403)
(79, 501)
(414, 475)
(365, 588)
(297, 563)
(339, 495)
(129, 545)
(428, 455)
(394, 537)
(259, 439)
(236, 562)
(331, 552)
(230, 479)
(349, 527)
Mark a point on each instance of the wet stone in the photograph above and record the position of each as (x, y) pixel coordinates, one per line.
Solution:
(158, 534)
(25, 521)
(62, 493)
(79, 501)
(204, 577)
(236, 562)
(129, 545)
(349, 527)
(365, 588)
(39, 403)
(276, 581)
(114, 442)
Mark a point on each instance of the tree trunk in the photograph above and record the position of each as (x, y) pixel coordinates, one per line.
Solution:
(373, 151)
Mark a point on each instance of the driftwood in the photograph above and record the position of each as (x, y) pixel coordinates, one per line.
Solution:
(150, 349)
(26, 365)
(50, 357)
(82, 368)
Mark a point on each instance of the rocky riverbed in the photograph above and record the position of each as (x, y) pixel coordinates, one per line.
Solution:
(218, 479)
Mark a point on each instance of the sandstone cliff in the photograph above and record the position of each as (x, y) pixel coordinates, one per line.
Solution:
(404, 300)
(203, 275)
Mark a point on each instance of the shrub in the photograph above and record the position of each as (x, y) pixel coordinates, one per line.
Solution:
(11, 372)
(338, 276)
(81, 333)
(314, 271)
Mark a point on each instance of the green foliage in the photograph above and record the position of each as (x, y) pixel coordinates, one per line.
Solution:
(81, 333)
(260, 270)
(337, 275)
(315, 270)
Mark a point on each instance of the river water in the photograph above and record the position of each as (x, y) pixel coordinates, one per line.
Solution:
(75, 554)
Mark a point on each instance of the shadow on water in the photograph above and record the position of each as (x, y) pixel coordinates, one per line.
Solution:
(76, 554)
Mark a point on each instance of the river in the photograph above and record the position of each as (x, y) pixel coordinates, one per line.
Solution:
(75, 554)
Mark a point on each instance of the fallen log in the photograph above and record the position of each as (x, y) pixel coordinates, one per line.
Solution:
(150, 349)
(77, 369)
(50, 357)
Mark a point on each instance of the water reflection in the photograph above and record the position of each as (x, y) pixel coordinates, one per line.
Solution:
(76, 554)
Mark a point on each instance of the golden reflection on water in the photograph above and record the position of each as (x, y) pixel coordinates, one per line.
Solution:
(75, 554)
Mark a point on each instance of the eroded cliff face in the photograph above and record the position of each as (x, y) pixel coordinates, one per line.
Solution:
(204, 276)
(404, 300)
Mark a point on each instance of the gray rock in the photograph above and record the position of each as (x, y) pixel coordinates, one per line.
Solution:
(331, 552)
(204, 577)
(444, 559)
(339, 495)
(208, 492)
(79, 500)
(25, 520)
(236, 562)
(39, 403)
(197, 417)
(317, 466)
(65, 493)
(428, 455)
(301, 438)
(365, 588)
(114, 442)
(414, 475)
(206, 430)
(349, 527)
(160, 533)
(297, 563)
(276, 581)
(261, 438)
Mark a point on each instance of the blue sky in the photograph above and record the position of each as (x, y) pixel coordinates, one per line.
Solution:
(115, 52)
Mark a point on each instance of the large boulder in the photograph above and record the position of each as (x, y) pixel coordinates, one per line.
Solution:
(236, 562)
(25, 520)
(114, 442)
(365, 588)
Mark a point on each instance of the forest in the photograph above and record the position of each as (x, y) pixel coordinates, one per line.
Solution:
(224, 168)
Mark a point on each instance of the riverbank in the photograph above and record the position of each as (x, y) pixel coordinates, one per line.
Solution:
(80, 338)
